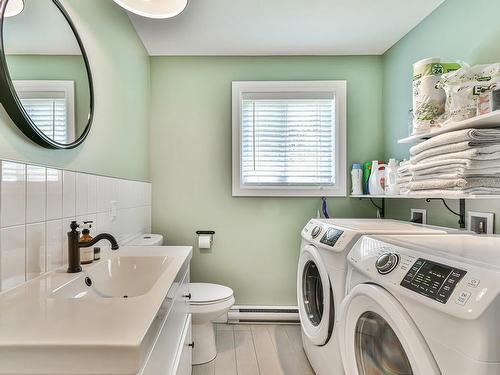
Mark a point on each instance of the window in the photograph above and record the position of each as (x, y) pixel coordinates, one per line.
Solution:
(50, 105)
(289, 138)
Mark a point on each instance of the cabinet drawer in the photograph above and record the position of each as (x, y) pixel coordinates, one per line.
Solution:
(165, 348)
(183, 362)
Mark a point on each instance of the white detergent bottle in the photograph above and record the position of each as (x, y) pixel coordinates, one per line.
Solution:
(376, 182)
(391, 184)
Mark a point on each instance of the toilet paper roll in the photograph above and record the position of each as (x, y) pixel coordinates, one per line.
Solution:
(204, 241)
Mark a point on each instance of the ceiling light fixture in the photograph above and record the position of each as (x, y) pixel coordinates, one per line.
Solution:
(14, 7)
(154, 8)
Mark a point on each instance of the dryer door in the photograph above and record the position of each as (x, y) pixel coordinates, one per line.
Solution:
(315, 297)
(379, 337)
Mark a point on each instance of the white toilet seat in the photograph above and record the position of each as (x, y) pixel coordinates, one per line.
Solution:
(222, 301)
(208, 294)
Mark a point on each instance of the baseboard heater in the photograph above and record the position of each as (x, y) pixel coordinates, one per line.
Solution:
(266, 314)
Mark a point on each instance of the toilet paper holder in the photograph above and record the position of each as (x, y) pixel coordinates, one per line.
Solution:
(205, 232)
(202, 242)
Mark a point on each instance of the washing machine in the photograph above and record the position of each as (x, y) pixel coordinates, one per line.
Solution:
(422, 305)
(321, 280)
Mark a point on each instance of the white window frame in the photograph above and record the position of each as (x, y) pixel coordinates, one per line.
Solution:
(68, 87)
(339, 88)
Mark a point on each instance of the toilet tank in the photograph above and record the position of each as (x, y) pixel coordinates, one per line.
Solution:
(147, 240)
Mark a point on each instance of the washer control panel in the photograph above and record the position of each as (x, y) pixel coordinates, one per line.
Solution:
(331, 236)
(434, 280)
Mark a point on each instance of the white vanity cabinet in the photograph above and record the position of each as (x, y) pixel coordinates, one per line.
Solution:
(146, 333)
(170, 342)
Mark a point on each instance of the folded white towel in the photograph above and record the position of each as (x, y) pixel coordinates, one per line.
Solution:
(403, 179)
(428, 166)
(461, 170)
(463, 173)
(488, 153)
(404, 168)
(455, 184)
(454, 149)
(453, 193)
(474, 136)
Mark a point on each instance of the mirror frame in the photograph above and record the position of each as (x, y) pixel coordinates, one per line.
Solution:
(12, 103)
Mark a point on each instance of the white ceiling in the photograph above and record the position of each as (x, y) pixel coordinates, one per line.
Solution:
(283, 27)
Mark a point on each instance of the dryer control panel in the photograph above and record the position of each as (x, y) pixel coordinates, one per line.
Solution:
(328, 236)
(331, 236)
(433, 280)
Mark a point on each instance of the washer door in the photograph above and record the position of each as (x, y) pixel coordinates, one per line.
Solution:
(379, 337)
(315, 297)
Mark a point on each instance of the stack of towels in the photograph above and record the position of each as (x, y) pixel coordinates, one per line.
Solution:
(404, 177)
(457, 163)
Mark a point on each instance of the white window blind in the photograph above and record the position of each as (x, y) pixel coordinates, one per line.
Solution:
(288, 141)
(51, 107)
(289, 138)
(49, 115)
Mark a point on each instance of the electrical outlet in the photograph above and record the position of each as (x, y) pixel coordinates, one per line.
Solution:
(418, 215)
(480, 222)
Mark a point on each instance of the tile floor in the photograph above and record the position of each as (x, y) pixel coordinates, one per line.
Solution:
(257, 350)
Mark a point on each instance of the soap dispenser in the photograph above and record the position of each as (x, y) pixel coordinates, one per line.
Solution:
(86, 253)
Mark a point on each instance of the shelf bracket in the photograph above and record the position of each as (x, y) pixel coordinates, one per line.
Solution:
(461, 214)
(381, 208)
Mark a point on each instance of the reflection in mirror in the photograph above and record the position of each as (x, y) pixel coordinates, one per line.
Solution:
(47, 70)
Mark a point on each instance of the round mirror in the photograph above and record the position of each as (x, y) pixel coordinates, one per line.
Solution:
(46, 85)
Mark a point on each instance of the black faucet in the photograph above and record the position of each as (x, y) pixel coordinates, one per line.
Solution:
(74, 246)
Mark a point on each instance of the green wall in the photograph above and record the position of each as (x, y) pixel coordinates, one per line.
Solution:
(257, 239)
(460, 29)
(118, 142)
(56, 67)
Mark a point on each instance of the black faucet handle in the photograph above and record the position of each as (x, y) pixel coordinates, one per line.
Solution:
(74, 225)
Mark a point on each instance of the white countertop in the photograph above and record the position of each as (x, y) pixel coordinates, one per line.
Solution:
(34, 326)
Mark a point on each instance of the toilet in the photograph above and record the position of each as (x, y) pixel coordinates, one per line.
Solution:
(207, 303)
(147, 240)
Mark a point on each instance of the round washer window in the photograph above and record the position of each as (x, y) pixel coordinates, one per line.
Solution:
(312, 291)
(378, 349)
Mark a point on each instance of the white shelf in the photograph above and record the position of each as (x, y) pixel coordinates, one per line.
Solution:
(364, 196)
(489, 120)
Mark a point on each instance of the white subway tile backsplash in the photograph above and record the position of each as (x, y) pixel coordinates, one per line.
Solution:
(82, 193)
(69, 194)
(12, 256)
(37, 205)
(104, 193)
(36, 194)
(13, 194)
(35, 250)
(104, 222)
(148, 198)
(147, 219)
(54, 249)
(92, 194)
(54, 194)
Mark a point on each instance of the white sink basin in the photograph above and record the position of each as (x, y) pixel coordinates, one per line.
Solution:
(117, 277)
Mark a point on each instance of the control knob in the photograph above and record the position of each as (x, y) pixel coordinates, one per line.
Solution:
(387, 262)
(316, 231)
